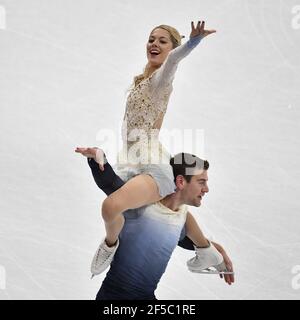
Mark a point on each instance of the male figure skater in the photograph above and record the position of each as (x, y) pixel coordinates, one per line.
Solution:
(151, 233)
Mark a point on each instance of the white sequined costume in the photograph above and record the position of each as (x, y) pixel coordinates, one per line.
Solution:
(142, 153)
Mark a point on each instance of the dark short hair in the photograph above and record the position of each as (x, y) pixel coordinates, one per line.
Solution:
(185, 164)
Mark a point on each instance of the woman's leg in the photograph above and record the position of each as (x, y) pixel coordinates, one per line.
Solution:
(206, 254)
(137, 192)
(194, 232)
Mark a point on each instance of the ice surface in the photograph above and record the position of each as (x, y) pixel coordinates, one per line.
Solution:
(65, 67)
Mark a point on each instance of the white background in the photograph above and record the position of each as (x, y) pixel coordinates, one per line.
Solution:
(65, 67)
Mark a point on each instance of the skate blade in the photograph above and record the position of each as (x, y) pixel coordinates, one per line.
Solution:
(211, 271)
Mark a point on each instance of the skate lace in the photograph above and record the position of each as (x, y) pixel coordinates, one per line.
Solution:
(199, 258)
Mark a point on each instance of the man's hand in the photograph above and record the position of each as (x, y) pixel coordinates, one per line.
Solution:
(199, 30)
(95, 153)
(229, 278)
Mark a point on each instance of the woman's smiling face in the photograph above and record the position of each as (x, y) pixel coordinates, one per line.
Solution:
(158, 47)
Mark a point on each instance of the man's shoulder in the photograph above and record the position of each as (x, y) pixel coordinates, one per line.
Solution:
(159, 207)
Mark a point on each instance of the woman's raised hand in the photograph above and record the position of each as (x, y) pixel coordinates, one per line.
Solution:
(199, 30)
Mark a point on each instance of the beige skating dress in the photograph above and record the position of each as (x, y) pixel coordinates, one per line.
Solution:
(142, 152)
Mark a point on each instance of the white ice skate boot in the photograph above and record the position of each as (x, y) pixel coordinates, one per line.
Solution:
(207, 258)
(103, 257)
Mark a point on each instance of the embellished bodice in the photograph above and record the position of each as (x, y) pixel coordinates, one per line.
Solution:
(145, 110)
(147, 104)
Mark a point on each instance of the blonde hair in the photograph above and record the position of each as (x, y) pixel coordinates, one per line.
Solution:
(176, 41)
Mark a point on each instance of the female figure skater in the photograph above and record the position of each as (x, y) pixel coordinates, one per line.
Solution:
(148, 181)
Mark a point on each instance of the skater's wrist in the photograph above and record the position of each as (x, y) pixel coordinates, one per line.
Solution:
(218, 247)
(92, 163)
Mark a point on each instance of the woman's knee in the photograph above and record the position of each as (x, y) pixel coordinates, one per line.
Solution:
(110, 209)
(106, 209)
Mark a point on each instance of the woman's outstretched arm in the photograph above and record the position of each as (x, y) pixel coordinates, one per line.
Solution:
(165, 74)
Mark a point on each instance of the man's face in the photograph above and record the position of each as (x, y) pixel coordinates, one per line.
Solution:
(194, 190)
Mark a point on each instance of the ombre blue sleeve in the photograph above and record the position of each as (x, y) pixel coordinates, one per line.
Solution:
(165, 74)
(193, 42)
